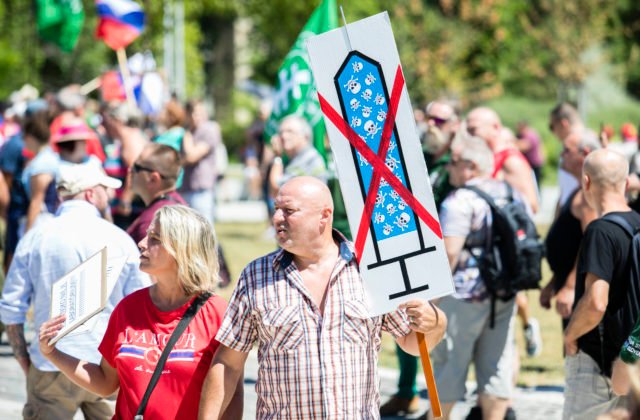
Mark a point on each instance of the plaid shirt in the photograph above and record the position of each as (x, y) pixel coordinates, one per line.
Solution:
(312, 365)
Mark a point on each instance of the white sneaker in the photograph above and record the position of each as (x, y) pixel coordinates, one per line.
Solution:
(533, 338)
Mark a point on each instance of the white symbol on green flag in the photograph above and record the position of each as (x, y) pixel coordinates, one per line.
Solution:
(295, 89)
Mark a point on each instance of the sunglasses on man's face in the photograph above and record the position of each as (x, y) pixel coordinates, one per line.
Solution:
(439, 122)
(136, 168)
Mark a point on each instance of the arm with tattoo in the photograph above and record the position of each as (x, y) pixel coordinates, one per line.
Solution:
(15, 333)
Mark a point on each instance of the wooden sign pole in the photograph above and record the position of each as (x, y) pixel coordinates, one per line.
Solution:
(436, 410)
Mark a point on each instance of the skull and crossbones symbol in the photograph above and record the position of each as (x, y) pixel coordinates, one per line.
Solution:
(391, 162)
(371, 128)
(369, 79)
(380, 198)
(402, 221)
(352, 85)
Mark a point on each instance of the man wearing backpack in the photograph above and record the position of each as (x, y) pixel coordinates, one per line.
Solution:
(607, 294)
(466, 225)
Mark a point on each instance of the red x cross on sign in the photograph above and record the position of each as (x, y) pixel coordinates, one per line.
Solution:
(380, 170)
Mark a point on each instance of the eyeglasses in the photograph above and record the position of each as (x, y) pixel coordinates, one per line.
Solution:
(139, 168)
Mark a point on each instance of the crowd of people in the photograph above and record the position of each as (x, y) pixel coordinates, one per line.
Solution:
(588, 246)
(78, 177)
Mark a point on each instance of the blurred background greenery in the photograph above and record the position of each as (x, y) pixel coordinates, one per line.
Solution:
(519, 56)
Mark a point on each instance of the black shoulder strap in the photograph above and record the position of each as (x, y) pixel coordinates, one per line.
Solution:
(620, 221)
(191, 312)
(486, 197)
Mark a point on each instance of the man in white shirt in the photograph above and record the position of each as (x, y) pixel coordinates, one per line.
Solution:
(45, 254)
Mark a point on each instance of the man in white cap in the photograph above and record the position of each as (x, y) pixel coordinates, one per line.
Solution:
(46, 253)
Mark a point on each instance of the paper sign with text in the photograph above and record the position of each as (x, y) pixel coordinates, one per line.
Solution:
(83, 293)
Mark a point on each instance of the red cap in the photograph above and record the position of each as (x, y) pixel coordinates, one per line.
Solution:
(629, 132)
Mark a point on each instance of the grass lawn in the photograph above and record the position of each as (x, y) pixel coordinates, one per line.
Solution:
(244, 242)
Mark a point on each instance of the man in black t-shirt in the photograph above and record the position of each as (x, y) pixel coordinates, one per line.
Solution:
(595, 334)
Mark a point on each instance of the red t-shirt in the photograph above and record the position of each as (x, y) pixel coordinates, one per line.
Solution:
(133, 342)
(500, 157)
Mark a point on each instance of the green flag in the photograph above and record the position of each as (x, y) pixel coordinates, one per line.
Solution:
(60, 22)
(295, 89)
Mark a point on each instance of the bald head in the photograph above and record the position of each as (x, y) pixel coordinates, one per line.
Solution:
(606, 169)
(485, 123)
(483, 113)
(309, 190)
(303, 217)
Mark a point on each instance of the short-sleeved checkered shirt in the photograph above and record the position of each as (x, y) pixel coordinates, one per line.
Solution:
(311, 366)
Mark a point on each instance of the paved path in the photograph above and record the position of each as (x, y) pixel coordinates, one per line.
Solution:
(530, 404)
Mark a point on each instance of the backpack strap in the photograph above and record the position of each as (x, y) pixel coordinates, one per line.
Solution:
(486, 197)
(191, 312)
(494, 207)
(620, 221)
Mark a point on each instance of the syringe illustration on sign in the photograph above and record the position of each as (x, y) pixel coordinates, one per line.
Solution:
(364, 100)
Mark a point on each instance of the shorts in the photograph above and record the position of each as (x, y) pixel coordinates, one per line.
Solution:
(470, 339)
(51, 395)
(587, 393)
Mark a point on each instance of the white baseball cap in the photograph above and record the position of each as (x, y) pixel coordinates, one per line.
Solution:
(74, 179)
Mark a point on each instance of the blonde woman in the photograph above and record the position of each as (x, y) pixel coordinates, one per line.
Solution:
(179, 252)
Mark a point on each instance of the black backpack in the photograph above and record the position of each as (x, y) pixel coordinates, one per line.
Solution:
(618, 322)
(513, 254)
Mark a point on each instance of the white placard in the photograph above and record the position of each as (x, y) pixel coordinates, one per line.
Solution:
(84, 291)
(355, 70)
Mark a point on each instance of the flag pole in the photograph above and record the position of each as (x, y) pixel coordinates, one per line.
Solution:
(91, 85)
(126, 77)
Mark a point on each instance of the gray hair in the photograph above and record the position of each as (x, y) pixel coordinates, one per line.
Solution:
(303, 126)
(127, 115)
(588, 139)
(474, 149)
(70, 98)
(452, 103)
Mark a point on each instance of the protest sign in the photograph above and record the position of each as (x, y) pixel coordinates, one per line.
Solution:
(84, 291)
(381, 170)
(379, 161)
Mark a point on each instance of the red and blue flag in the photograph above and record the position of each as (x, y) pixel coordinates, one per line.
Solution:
(121, 21)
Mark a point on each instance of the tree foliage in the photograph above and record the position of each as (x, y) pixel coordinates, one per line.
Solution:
(473, 49)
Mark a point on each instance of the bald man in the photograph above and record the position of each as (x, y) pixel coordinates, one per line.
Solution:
(305, 305)
(510, 165)
(607, 298)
